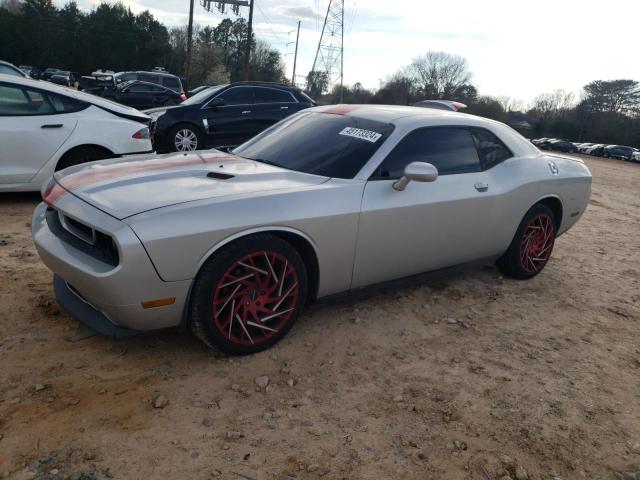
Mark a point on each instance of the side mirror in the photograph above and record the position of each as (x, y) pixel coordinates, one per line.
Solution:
(216, 102)
(418, 172)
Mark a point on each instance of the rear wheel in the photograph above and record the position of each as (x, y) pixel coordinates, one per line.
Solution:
(532, 244)
(82, 155)
(248, 295)
(185, 138)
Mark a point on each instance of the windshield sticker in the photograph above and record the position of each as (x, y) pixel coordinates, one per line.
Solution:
(367, 135)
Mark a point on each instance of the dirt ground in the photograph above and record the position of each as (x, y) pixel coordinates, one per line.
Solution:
(468, 377)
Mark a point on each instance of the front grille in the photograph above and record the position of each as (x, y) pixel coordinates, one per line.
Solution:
(97, 244)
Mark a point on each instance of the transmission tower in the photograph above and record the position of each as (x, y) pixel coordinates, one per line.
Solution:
(329, 60)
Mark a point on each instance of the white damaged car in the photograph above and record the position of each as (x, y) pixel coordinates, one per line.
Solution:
(45, 128)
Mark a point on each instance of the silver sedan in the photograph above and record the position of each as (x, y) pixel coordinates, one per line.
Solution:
(328, 200)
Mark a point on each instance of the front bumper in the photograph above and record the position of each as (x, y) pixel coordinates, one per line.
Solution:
(75, 306)
(114, 293)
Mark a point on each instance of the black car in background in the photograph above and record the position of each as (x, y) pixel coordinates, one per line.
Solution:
(618, 151)
(142, 95)
(562, 146)
(63, 77)
(165, 79)
(224, 115)
(47, 73)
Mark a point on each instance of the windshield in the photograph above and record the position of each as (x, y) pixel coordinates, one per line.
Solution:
(318, 143)
(202, 96)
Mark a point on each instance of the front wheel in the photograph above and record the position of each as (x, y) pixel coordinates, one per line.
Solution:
(248, 295)
(532, 244)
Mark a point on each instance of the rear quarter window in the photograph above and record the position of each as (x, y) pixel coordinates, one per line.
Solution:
(172, 83)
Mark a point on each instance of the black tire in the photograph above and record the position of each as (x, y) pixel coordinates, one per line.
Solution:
(212, 286)
(523, 259)
(182, 129)
(81, 155)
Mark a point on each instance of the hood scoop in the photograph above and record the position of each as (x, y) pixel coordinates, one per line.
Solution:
(219, 176)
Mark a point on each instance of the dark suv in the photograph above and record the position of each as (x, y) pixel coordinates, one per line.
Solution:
(165, 79)
(224, 116)
(562, 146)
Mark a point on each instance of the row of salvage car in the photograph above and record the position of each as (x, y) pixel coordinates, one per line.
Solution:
(621, 152)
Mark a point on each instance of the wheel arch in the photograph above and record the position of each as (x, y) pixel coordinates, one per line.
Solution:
(189, 123)
(82, 146)
(554, 203)
(299, 240)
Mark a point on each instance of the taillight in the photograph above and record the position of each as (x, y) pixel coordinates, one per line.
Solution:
(183, 97)
(142, 134)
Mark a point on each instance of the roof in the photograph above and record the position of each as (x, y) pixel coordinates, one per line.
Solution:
(409, 118)
(264, 84)
(385, 113)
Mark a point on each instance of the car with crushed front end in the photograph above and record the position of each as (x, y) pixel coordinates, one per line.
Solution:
(331, 199)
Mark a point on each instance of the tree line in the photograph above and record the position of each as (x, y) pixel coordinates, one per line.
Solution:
(607, 111)
(36, 33)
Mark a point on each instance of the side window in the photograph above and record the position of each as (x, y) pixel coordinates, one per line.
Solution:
(62, 104)
(271, 95)
(450, 149)
(146, 77)
(172, 83)
(140, 87)
(18, 101)
(237, 96)
(490, 149)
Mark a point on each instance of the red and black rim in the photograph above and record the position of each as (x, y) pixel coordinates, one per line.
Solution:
(255, 298)
(537, 243)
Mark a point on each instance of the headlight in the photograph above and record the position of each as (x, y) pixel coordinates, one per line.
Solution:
(156, 115)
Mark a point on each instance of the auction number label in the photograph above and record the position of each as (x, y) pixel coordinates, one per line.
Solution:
(362, 134)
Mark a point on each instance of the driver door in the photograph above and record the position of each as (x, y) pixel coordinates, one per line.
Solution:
(427, 226)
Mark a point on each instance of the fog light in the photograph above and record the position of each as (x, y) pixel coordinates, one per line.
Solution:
(162, 302)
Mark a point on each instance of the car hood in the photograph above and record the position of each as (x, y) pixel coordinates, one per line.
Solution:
(160, 109)
(126, 187)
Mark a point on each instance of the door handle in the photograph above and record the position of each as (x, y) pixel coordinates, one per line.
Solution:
(245, 112)
(284, 108)
(482, 186)
(52, 125)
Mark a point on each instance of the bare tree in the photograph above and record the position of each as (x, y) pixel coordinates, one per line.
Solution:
(549, 105)
(439, 75)
(510, 104)
(13, 6)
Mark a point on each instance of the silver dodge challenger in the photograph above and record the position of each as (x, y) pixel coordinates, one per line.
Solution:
(331, 199)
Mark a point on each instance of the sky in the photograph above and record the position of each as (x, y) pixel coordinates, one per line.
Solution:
(514, 48)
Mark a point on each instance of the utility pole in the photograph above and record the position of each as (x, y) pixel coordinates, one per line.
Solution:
(187, 61)
(247, 52)
(295, 58)
(342, 56)
(235, 7)
(329, 56)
